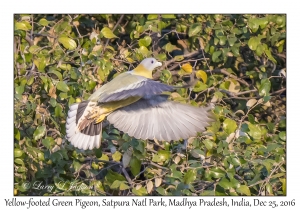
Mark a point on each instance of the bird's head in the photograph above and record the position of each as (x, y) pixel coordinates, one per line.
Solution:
(146, 67)
(150, 64)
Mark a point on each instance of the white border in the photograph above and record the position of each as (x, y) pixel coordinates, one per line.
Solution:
(153, 6)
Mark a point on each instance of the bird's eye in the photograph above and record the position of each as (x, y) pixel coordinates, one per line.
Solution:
(152, 61)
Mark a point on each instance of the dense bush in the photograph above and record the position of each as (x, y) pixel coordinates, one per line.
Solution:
(237, 62)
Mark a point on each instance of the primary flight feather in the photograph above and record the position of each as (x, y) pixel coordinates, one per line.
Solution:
(134, 104)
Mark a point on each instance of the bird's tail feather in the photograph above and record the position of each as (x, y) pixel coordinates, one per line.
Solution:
(85, 138)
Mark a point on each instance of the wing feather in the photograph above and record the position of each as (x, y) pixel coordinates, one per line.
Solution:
(159, 118)
(128, 85)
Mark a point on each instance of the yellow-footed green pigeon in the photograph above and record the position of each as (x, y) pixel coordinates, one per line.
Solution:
(136, 105)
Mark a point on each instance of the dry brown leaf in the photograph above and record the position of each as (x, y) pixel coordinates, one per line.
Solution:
(158, 182)
(251, 102)
(149, 186)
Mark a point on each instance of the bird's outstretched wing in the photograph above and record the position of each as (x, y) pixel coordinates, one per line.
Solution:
(156, 117)
(127, 85)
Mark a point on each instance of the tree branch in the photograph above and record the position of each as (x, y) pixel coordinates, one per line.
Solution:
(223, 71)
(127, 176)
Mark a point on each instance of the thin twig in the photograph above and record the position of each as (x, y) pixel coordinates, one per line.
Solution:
(223, 71)
(235, 95)
(156, 165)
(127, 176)
(29, 40)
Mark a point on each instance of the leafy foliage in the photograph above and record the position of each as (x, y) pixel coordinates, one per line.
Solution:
(235, 61)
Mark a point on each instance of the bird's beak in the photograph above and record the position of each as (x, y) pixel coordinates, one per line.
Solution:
(159, 64)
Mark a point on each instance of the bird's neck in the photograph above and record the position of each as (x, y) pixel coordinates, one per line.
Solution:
(142, 71)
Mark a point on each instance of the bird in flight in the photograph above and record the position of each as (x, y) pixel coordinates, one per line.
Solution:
(136, 105)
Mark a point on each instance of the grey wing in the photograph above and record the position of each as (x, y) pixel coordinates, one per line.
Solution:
(144, 88)
(161, 119)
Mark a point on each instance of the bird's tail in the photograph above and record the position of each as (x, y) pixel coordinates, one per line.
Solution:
(81, 132)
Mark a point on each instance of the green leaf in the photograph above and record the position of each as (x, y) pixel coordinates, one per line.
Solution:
(216, 172)
(229, 125)
(143, 50)
(41, 156)
(265, 87)
(53, 102)
(62, 184)
(253, 43)
(244, 189)
(223, 40)
(146, 41)
(282, 135)
(21, 169)
(283, 182)
(67, 42)
(141, 192)
(225, 183)
(48, 142)
(201, 74)
(19, 161)
(107, 33)
(117, 156)
(235, 161)
(23, 26)
(19, 89)
(208, 144)
(18, 153)
(168, 16)
(17, 134)
(189, 176)
(253, 24)
(164, 155)
(178, 58)
(65, 66)
(30, 80)
(165, 75)
(57, 73)
(135, 166)
(34, 49)
(169, 47)
(161, 191)
(270, 56)
(62, 86)
(232, 40)
(63, 96)
(39, 132)
(98, 185)
(263, 22)
(235, 49)
(255, 131)
(215, 56)
(111, 176)
(98, 152)
(115, 184)
(194, 29)
(40, 63)
(43, 22)
(259, 50)
(58, 111)
(124, 186)
(152, 17)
